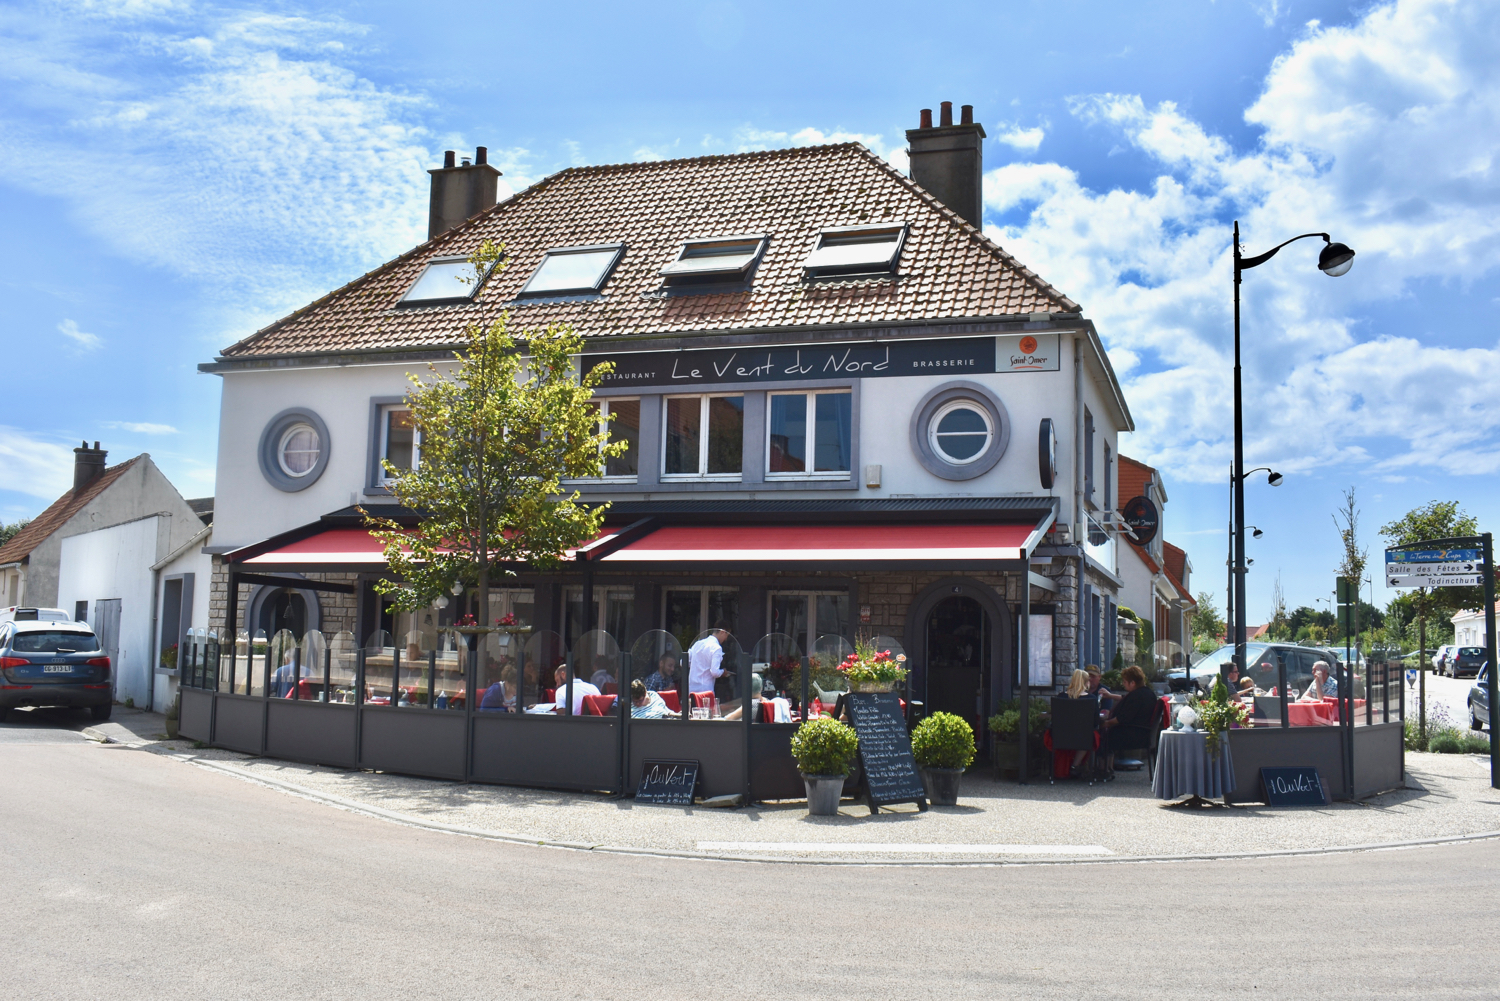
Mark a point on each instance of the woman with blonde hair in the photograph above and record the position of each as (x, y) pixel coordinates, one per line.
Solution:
(1078, 684)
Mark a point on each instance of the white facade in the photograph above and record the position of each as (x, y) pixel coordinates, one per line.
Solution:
(114, 564)
(1468, 627)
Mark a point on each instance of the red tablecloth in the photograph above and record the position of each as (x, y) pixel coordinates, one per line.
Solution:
(1307, 714)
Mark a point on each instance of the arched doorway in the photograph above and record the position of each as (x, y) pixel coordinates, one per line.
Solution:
(957, 660)
(960, 633)
(277, 608)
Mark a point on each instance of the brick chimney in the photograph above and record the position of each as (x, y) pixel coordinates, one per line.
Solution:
(460, 191)
(947, 160)
(88, 465)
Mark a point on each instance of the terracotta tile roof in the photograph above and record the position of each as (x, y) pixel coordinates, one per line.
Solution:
(1175, 562)
(57, 514)
(1133, 477)
(948, 268)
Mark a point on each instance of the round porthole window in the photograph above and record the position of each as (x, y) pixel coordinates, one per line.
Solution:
(294, 449)
(961, 431)
(299, 450)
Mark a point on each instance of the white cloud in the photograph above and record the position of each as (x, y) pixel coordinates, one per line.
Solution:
(237, 149)
(1381, 133)
(86, 341)
(141, 428)
(747, 138)
(33, 465)
(1026, 140)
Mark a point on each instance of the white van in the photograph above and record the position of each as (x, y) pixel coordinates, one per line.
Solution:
(17, 613)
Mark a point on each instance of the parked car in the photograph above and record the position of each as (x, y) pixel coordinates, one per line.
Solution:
(1441, 655)
(18, 613)
(1479, 701)
(1465, 660)
(1264, 662)
(47, 663)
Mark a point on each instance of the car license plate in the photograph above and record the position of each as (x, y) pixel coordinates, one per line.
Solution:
(57, 668)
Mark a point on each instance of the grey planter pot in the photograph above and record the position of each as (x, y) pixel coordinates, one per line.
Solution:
(823, 794)
(942, 785)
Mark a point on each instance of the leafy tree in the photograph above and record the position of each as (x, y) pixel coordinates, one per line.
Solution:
(499, 434)
(1206, 623)
(1436, 520)
(1278, 624)
(8, 532)
(1352, 565)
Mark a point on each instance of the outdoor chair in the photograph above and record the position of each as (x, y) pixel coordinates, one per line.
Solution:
(598, 705)
(1075, 725)
(669, 696)
(1153, 739)
(702, 700)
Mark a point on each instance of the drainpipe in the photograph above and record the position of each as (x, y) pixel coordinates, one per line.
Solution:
(1078, 535)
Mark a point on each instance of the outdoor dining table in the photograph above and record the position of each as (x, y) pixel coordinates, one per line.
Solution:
(1309, 714)
(1184, 767)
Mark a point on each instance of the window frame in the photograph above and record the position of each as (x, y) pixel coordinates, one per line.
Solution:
(703, 476)
(382, 433)
(604, 403)
(811, 270)
(527, 292)
(449, 300)
(673, 274)
(951, 406)
(812, 595)
(269, 451)
(936, 399)
(809, 442)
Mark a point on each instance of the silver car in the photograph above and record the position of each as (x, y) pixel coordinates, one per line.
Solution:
(53, 664)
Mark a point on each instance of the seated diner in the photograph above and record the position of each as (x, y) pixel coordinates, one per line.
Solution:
(580, 689)
(1322, 687)
(1127, 727)
(645, 703)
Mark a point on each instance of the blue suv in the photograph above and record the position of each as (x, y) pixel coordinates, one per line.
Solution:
(53, 664)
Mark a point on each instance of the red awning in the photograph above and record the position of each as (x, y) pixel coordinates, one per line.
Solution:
(770, 545)
(350, 547)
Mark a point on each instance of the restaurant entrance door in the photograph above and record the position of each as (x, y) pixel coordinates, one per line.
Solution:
(958, 660)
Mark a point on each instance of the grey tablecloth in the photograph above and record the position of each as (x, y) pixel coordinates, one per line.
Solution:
(1184, 766)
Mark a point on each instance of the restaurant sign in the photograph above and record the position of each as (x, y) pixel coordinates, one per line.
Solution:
(946, 356)
(1026, 353)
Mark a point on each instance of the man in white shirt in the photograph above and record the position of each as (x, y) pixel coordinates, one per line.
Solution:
(706, 659)
(580, 689)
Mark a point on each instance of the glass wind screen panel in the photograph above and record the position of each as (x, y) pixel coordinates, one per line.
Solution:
(726, 434)
(684, 419)
(714, 258)
(625, 427)
(400, 438)
(962, 433)
(788, 451)
(581, 272)
(831, 433)
(789, 617)
(850, 250)
(444, 281)
(832, 615)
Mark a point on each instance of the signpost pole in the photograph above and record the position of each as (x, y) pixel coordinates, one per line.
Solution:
(1024, 701)
(1489, 654)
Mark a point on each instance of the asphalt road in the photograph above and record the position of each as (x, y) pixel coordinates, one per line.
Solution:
(127, 874)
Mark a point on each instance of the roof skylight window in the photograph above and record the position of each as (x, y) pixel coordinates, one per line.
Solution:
(856, 250)
(723, 259)
(444, 280)
(574, 270)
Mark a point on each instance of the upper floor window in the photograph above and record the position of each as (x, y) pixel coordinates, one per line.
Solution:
(856, 250)
(445, 279)
(573, 270)
(809, 434)
(299, 449)
(625, 426)
(400, 441)
(722, 259)
(704, 436)
(961, 431)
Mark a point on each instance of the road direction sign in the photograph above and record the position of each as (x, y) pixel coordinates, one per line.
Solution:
(1434, 567)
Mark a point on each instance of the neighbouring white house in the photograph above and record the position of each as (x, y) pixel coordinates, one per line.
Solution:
(1154, 574)
(117, 551)
(1468, 626)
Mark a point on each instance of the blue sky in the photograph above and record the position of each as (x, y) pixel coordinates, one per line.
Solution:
(174, 175)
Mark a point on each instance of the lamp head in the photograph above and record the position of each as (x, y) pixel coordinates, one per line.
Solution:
(1335, 259)
(457, 588)
(1255, 533)
(1274, 479)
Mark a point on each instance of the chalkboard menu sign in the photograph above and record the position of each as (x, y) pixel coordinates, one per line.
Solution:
(668, 782)
(1299, 786)
(890, 772)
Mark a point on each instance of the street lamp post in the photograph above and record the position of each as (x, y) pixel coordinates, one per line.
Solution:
(1334, 260)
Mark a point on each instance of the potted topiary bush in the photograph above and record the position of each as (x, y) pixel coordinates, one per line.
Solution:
(825, 750)
(943, 745)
